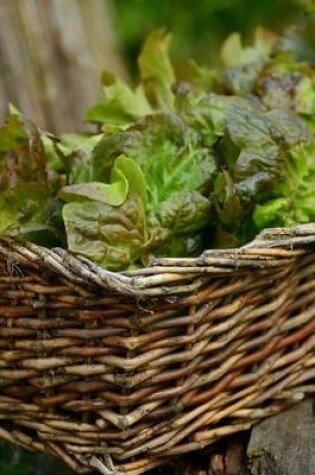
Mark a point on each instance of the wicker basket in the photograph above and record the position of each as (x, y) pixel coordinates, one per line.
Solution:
(123, 371)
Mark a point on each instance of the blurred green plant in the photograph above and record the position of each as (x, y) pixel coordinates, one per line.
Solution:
(16, 461)
(198, 28)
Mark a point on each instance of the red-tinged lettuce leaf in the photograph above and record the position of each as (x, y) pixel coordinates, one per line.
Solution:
(22, 205)
(214, 108)
(288, 85)
(263, 146)
(292, 200)
(12, 135)
(110, 236)
(70, 156)
(22, 154)
(243, 64)
(231, 221)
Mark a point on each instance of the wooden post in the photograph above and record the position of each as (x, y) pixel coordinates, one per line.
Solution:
(51, 55)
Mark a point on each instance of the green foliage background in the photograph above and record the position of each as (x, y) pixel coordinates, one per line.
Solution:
(198, 27)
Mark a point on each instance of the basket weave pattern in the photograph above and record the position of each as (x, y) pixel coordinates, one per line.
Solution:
(122, 371)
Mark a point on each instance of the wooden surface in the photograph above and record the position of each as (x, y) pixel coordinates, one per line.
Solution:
(51, 55)
(285, 444)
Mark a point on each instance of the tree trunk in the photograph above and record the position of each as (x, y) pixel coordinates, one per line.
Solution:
(51, 55)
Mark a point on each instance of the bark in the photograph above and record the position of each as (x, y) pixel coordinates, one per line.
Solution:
(51, 55)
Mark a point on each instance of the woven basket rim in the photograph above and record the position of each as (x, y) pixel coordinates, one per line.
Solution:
(269, 248)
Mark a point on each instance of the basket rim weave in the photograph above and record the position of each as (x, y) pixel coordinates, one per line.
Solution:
(270, 248)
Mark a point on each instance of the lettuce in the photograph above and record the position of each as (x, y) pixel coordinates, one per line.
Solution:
(167, 150)
(110, 236)
(176, 166)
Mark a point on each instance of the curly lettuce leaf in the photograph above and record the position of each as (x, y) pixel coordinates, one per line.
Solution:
(120, 105)
(156, 71)
(288, 85)
(243, 64)
(106, 221)
(298, 208)
(263, 147)
(70, 156)
(233, 52)
(126, 176)
(265, 159)
(292, 200)
(166, 150)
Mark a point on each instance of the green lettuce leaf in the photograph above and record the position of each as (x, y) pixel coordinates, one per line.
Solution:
(266, 160)
(166, 150)
(292, 200)
(126, 176)
(175, 224)
(120, 105)
(234, 53)
(156, 71)
(110, 236)
(113, 194)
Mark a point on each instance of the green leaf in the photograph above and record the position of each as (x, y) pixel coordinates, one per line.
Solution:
(174, 224)
(156, 71)
(21, 205)
(233, 53)
(113, 194)
(182, 213)
(110, 236)
(179, 245)
(127, 167)
(126, 176)
(120, 104)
